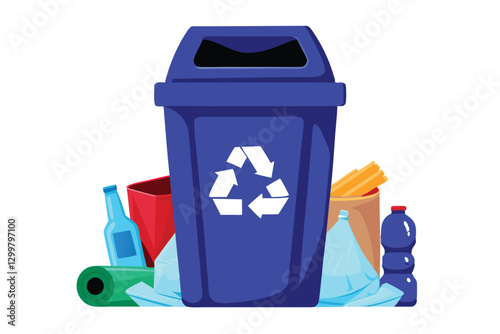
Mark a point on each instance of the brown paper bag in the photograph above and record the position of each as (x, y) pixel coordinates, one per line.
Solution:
(364, 219)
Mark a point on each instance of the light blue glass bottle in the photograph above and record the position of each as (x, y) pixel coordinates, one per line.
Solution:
(122, 234)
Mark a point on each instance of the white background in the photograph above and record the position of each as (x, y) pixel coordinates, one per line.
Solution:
(66, 76)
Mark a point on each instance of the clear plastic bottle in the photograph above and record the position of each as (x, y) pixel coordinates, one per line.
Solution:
(121, 233)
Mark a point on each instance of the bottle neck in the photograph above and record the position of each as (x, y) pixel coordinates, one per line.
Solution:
(398, 211)
(114, 206)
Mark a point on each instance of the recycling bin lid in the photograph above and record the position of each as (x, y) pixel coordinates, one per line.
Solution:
(250, 66)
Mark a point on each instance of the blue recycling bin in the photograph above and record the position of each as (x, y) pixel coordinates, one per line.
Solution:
(250, 115)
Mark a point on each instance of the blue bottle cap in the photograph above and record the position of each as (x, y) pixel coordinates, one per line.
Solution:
(109, 188)
(344, 214)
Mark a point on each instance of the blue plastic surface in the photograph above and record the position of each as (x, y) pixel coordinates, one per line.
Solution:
(348, 277)
(244, 260)
(167, 271)
(144, 295)
(122, 236)
(387, 296)
(124, 244)
(347, 273)
(398, 238)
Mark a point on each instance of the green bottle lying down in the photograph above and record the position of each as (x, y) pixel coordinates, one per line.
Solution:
(106, 286)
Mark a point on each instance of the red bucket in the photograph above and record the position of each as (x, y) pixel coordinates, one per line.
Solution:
(150, 205)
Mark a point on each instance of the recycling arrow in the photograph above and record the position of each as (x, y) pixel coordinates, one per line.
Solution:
(270, 206)
(224, 183)
(226, 179)
(237, 157)
(277, 189)
(263, 166)
(229, 207)
(267, 206)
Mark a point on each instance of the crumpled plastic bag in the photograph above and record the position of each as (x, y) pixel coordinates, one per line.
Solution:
(167, 280)
(348, 278)
(167, 288)
(143, 295)
(387, 295)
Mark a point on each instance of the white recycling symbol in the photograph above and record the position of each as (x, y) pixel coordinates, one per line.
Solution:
(226, 179)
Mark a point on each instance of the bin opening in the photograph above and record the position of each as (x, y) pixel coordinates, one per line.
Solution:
(161, 186)
(250, 52)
